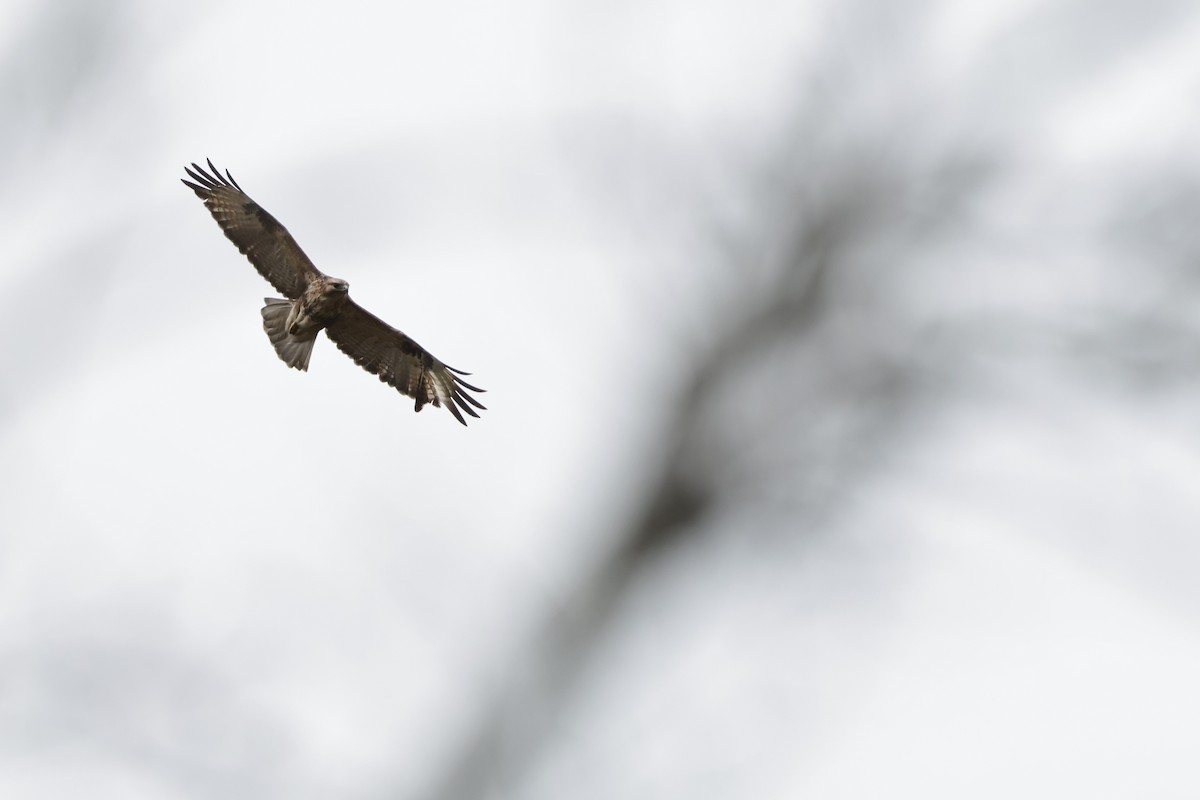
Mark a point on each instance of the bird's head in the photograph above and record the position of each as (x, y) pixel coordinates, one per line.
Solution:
(338, 285)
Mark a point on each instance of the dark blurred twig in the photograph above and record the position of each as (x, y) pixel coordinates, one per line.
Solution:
(820, 236)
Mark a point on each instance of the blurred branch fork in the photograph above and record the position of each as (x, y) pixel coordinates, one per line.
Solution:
(827, 245)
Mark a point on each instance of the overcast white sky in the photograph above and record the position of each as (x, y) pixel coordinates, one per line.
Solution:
(223, 578)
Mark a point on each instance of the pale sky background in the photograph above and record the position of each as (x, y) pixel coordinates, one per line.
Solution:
(223, 578)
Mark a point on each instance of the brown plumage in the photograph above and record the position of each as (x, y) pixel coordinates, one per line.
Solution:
(317, 302)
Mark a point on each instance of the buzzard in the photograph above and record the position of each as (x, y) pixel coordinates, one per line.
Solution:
(316, 301)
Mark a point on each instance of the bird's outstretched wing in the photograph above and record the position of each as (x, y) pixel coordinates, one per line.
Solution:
(400, 362)
(268, 245)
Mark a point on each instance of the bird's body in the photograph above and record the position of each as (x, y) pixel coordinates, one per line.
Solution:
(320, 305)
(318, 302)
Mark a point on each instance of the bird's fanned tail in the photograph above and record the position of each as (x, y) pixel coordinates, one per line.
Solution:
(294, 351)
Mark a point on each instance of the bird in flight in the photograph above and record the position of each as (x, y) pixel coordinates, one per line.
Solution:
(316, 301)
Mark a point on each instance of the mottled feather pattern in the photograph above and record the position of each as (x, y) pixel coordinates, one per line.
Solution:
(257, 234)
(400, 362)
(373, 344)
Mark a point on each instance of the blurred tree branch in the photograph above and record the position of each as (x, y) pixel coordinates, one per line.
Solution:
(865, 215)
